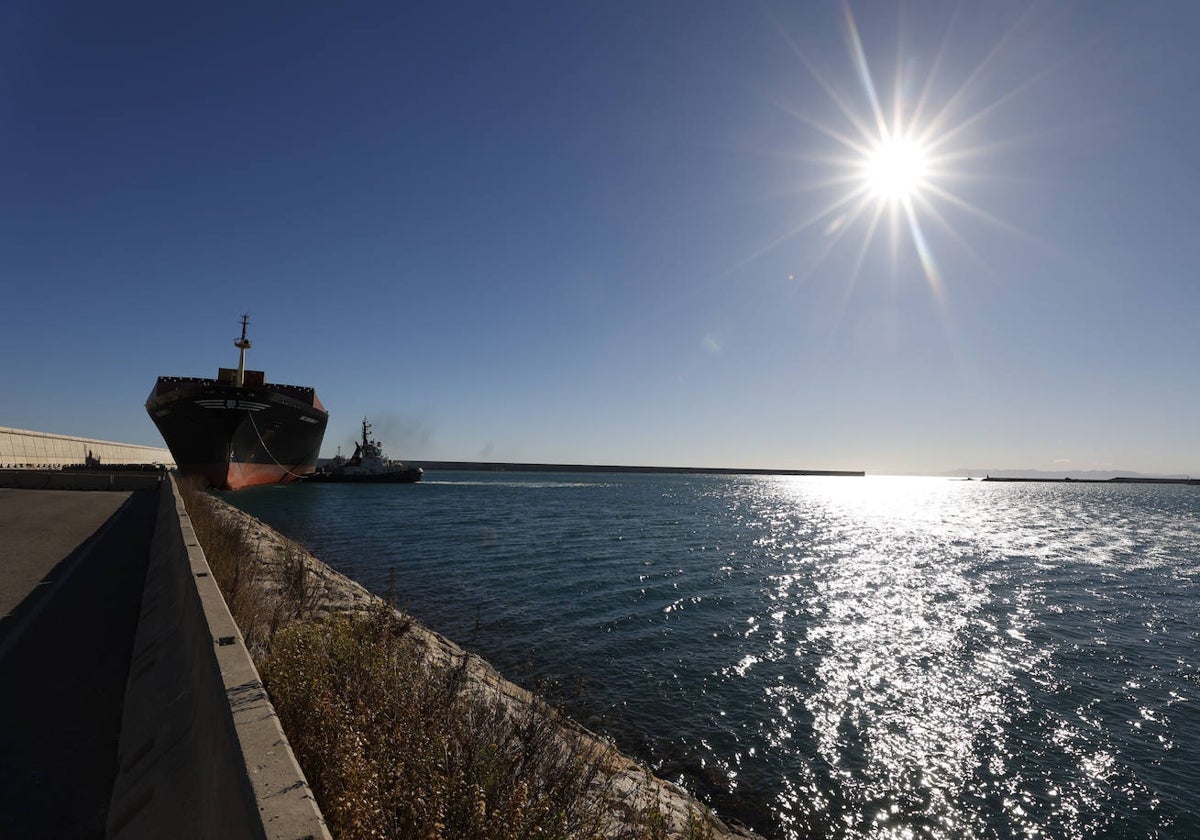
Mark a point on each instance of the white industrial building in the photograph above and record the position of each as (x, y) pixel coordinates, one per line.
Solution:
(24, 449)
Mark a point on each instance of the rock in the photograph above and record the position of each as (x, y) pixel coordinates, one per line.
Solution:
(632, 788)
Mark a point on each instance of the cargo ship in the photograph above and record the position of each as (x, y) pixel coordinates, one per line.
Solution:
(239, 430)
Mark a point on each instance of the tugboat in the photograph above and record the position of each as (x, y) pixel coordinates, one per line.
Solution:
(368, 464)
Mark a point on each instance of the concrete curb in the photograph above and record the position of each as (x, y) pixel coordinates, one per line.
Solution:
(201, 751)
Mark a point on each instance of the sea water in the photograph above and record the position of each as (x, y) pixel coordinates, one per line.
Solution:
(824, 657)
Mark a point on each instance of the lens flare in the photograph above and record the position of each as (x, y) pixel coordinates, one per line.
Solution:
(898, 153)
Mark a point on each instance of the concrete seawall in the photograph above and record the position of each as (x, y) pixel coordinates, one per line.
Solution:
(201, 753)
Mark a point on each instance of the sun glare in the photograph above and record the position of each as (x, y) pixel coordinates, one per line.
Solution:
(896, 169)
(896, 154)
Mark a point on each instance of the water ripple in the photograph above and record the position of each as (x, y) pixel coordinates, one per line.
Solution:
(878, 658)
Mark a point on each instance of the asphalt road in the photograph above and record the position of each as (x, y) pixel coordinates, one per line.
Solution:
(38, 530)
(72, 569)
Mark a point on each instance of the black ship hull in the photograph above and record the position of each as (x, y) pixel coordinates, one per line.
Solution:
(237, 437)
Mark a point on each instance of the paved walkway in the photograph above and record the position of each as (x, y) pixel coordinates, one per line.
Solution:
(72, 565)
(38, 530)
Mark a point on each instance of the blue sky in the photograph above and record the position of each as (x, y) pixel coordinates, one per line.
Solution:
(573, 232)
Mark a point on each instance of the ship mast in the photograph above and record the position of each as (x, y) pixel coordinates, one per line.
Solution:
(242, 344)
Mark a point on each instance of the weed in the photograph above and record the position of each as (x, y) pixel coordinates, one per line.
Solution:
(396, 743)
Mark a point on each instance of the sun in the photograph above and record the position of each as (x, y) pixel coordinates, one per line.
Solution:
(896, 169)
(895, 158)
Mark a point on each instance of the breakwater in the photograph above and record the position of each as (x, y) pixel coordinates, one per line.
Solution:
(201, 752)
(624, 793)
(1115, 480)
(498, 466)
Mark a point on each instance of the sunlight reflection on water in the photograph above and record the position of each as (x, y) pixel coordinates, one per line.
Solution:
(920, 631)
(911, 673)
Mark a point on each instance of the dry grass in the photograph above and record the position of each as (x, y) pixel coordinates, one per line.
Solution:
(259, 605)
(396, 748)
(397, 745)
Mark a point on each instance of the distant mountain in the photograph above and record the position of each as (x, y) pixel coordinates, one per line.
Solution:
(1094, 475)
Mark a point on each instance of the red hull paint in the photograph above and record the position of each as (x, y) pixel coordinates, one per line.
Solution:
(236, 476)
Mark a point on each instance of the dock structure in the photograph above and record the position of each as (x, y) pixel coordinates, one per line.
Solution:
(130, 706)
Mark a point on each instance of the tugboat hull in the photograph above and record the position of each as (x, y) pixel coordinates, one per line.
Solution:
(405, 475)
(368, 465)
